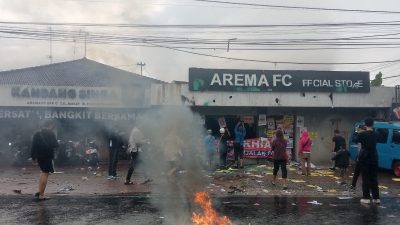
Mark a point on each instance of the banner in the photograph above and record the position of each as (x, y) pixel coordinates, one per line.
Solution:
(236, 80)
(262, 120)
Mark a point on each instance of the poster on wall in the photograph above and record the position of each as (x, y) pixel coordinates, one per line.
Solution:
(222, 122)
(271, 123)
(262, 120)
(300, 121)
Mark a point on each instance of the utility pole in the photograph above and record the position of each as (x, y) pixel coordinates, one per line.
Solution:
(141, 64)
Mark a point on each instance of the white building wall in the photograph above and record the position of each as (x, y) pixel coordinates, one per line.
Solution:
(170, 94)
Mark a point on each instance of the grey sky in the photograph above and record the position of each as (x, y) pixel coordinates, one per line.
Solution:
(167, 64)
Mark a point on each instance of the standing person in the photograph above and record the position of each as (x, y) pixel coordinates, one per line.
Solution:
(42, 152)
(136, 140)
(209, 141)
(339, 143)
(305, 152)
(240, 134)
(173, 151)
(115, 142)
(222, 148)
(278, 146)
(368, 159)
(341, 160)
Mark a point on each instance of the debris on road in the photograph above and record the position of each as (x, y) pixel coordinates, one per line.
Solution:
(17, 191)
(314, 203)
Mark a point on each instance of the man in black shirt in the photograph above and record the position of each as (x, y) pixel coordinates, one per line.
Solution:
(42, 152)
(340, 143)
(368, 159)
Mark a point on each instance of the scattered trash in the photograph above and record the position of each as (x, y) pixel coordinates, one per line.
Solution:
(287, 192)
(344, 197)
(17, 191)
(262, 166)
(311, 186)
(265, 190)
(161, 217)
(297, 181)
(396, 179)
(256, 204)
(147, 181)
(98, 174)
(255, 175)
(383, 187)
(314, 203)
(259, 181)
(233, 189)
(223, 190)
(391, 216)
(65, 189)
(333, 205)
(293, 204)
(182, 171)
(227, 202)
(382, 207)
(58, 172)
(331, 191)
(85, 178)
(385, 192)
(23, 169)
(82, 169)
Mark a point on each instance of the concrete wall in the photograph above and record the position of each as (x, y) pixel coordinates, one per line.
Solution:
(173, 93)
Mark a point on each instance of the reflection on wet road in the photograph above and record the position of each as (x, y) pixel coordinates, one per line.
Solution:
(242, 210)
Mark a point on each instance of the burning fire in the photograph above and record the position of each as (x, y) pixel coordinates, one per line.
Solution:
(210, 216)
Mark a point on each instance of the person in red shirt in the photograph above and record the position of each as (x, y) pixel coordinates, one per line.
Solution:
(305, 152)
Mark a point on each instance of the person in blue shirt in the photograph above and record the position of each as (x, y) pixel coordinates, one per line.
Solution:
(209, 141)
(240, 134)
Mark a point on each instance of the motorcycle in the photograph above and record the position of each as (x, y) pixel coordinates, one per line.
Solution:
(91, 154)
(20, 153)
(69, 153)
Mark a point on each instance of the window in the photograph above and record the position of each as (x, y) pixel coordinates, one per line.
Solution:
(396, 136)
(383, 134)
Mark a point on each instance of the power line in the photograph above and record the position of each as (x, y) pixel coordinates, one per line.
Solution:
(300, 7)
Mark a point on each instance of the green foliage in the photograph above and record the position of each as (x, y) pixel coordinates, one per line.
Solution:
(377, 82)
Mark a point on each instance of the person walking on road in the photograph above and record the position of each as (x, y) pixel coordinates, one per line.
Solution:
(368, 159)
(240, 134)
(278, 146)
(136, 140)
(305, 153)
(341, 160)
(115, 143)
(42, 152)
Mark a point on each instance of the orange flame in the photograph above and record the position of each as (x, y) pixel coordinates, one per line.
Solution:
(209, 216)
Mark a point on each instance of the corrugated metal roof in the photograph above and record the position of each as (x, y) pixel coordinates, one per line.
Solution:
(82, 72)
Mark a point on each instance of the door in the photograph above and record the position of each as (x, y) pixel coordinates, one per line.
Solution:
(384, 147)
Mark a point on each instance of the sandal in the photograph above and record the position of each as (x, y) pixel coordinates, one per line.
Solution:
(37, 195)
(43, 198)
(128, 183)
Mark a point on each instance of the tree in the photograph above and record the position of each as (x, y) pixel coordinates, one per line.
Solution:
(377, 82)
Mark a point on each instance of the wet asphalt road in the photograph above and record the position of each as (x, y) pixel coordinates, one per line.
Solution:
(241, 210)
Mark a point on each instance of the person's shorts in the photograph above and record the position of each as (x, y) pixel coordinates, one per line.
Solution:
(305, 155)
(46, 165)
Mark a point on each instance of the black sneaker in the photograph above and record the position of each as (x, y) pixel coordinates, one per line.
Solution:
(352, 187)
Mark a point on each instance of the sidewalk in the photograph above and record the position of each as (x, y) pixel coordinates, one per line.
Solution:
(252, 180)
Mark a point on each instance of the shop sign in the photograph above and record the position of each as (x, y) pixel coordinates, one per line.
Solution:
(300, 121)
(278, 80)
(67, 114)
(60, 96)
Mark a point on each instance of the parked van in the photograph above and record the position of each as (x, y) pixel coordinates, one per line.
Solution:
(388, 145)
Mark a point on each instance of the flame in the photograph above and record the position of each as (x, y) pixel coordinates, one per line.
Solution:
(209, 216)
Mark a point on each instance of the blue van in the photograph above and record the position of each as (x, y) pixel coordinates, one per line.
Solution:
(388, 145)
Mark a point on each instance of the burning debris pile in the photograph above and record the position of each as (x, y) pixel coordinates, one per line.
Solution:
(209, 215)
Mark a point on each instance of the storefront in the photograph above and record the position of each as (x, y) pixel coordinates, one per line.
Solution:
(319, 101)
(86, 99)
